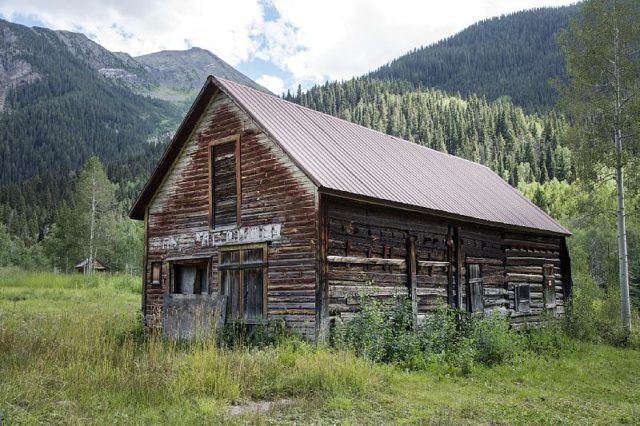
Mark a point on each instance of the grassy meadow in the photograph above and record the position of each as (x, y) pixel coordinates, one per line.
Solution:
(72, 352)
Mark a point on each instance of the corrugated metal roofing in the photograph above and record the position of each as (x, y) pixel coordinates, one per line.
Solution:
(345, 157)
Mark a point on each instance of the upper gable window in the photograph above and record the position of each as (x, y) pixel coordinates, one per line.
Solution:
(224, 182)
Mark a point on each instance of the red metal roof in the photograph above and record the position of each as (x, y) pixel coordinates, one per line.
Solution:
(345, 157)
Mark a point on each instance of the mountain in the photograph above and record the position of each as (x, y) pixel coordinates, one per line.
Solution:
(171, 75)
(64, 98)
(514, 55)
(179, 75)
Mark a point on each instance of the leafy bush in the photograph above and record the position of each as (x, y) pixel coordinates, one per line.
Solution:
(548, 340)
(594, 314)
(493, 339)
(449, 339)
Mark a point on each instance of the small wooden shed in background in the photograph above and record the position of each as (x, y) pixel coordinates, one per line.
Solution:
(97, 266)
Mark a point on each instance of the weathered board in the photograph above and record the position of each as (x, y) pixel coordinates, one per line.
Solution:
(525, 257)
(278, 206)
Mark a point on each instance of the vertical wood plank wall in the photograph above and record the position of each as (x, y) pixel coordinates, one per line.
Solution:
(273, 191)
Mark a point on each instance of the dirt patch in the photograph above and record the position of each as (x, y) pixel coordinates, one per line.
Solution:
(255, 407)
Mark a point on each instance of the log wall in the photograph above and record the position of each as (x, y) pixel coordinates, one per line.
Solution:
(378, 234)
(525, 257)
(367, 253)
(274, 191)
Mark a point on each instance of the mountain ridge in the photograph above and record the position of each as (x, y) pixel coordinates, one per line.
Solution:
(64, 98)
(512, 55)
(171, 75)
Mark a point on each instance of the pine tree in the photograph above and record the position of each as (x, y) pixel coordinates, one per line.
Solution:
(83, 230)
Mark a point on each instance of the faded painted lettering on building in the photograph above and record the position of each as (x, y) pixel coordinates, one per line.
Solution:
(168, 243)
(247, 234)
(244, 235)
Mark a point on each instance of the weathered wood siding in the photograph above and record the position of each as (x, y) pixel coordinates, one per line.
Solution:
(359, 230)
(367, 253)
(483, 246)
(525, 257)
(274, 191)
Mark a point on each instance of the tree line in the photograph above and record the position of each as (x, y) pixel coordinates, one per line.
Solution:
(91, 225)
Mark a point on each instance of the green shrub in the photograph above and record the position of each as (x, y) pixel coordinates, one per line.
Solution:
(493, 339)
(449, 339)
(381, 332)
(548, 340)
(594, 314)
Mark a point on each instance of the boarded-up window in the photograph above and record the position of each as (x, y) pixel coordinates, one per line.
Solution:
(224, 182)
(523, 298)
(549, 285)
(243, 279)
(191, 278)
(156, 273)
(476, 302)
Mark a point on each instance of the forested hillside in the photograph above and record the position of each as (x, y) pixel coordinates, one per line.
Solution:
(514, 55)
(64, 98)
(50, 126)
(521, 147)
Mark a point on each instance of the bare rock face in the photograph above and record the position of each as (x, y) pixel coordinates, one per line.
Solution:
(14, 71)
(173, 75)
(170, 75)
(116, 66)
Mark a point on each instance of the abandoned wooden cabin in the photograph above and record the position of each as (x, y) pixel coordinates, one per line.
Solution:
(98, 266)
(292, 214)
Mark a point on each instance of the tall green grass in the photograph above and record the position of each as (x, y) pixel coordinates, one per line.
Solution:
(10, 277)
(72, 351)
(73, 347)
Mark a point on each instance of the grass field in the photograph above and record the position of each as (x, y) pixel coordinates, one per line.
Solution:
(72, 352)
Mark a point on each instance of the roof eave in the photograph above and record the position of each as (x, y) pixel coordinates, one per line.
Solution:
(440, 213)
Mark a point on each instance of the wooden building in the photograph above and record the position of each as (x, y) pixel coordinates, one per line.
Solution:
(293, 214)
(98, 266)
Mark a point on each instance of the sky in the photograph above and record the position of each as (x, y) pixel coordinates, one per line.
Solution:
(278, 43)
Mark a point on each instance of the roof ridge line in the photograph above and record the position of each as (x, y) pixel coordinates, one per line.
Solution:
(304, 108)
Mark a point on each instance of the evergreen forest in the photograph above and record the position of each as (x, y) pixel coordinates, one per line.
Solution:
(514, 56)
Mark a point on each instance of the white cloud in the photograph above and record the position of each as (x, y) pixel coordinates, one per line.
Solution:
(145, 26)
(271, 82)
(337, 39)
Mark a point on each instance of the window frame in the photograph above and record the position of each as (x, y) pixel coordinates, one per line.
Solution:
(197, 263)
(470, 307)
(226, 140)
(521, 303)
(549, 291)
(265, 278)
(155, 265)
